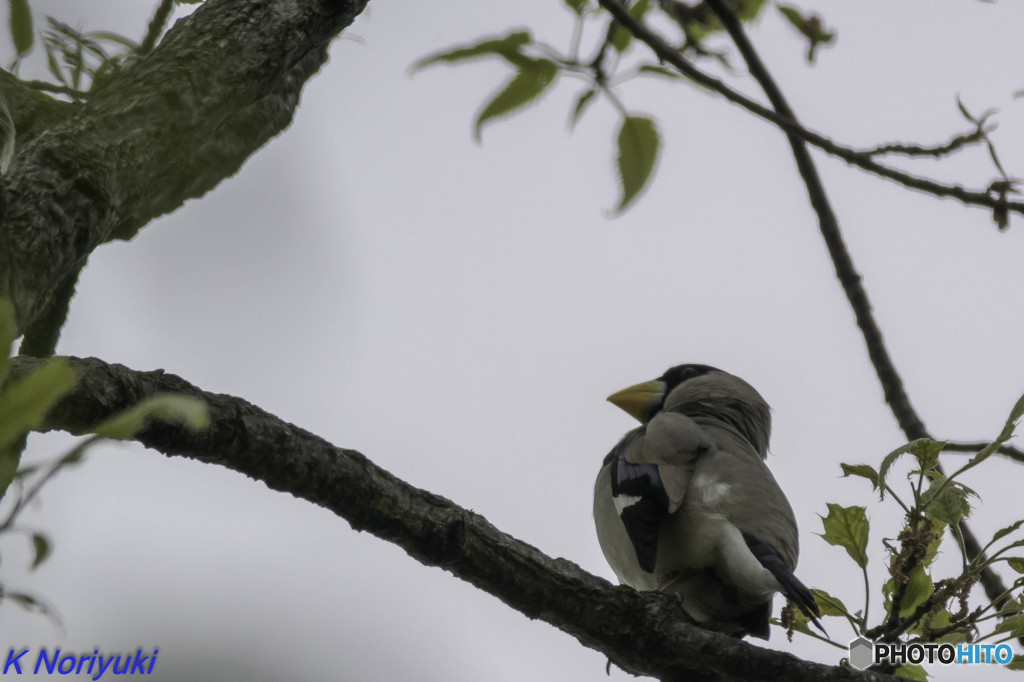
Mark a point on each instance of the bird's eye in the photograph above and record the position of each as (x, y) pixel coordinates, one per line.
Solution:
(681, 373)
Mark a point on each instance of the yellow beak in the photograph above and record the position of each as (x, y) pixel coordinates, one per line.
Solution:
(637, 400)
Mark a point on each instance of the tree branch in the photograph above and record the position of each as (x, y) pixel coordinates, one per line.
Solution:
(1008, 450)
(643, 633)
(956, 144)
(892, 384)
(165, 129)
(864, 160)
(849, 278)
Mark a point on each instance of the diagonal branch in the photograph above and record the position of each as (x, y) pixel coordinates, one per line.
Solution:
(865, 160)
(849, 278)
(892, 384)
(432, 529)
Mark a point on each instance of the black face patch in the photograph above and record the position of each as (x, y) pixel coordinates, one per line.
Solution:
(671, 379)
(681, 373)
(640, 497)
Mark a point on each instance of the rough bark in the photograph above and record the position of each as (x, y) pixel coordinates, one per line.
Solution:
(169, 127)
(166, 128)
(643, 633)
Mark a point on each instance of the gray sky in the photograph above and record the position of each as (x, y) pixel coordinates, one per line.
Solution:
(459, 312)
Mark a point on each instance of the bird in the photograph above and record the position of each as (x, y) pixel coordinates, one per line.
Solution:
(685, 503)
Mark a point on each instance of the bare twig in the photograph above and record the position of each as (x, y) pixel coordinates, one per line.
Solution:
(669, 54)
(849, 278)
(892, 384)
(1008, 450)
(936, 151)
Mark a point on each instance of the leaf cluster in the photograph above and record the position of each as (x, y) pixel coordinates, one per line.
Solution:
(537, 66)
(80, 62)
(918, 605)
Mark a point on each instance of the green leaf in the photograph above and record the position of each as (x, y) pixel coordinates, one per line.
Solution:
(54, 65)
(168, 407)
(829, 605)
(919, 447)
(638, 144)
(862, 470)
(41, 549)
(919, 588)
(21, 25)
(1016, 564)
(847, 527)
(581, 104)
(622, 38)
(1013, 625)
(792, 15)
(927, 452)
(8, 332)
(1011, 423)
(112, 37)
(533, 78)
(507, 47)
(811, 27)
(23, 405)
(911, 671)
(748, 10)
(578, 7)
(947, 501)
(1008, 428)
(939, 621)
(1011, 606)
(1016, 663)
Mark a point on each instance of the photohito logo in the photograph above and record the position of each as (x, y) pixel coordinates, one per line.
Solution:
(865, 653)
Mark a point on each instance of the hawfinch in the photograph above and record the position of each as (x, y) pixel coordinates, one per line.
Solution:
(686, 505)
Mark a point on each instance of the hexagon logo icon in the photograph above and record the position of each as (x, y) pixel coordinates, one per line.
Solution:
(861, 653)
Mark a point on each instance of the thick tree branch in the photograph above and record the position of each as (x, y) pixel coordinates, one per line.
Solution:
(167, 128)
(641, 632)
(865, 160)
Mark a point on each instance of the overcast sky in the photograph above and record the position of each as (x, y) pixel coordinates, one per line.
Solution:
(459, 312)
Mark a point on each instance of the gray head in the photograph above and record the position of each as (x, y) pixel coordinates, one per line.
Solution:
(703, 391)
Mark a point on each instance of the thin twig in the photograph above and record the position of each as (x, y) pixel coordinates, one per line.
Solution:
(849, 278)
(1008, 450)
(954, 145)
(669, 54)
(892, 384)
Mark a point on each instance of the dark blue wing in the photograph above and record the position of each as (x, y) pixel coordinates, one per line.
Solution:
(640, 498)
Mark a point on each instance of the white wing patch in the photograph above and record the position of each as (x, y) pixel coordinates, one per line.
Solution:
(623, 501)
